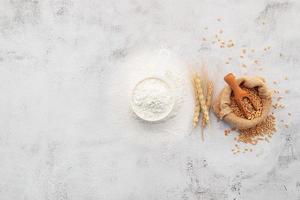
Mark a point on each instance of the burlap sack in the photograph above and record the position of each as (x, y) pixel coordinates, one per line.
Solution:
(223, 111)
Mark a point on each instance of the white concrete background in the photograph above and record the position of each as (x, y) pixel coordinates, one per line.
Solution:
(66, 72)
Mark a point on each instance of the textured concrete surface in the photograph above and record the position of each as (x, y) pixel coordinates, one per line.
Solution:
(67, 68)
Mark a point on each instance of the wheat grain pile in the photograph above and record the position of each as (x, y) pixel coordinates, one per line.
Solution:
(251, 112)
(262, 131)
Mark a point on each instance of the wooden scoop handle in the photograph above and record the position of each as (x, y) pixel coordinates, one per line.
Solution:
(231, 81)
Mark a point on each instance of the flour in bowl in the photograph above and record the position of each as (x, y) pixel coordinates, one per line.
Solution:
(152, 99)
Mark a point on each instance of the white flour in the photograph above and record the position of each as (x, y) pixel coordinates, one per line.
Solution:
(152, 99)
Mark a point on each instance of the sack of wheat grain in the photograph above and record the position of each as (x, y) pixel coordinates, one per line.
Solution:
(225, 109)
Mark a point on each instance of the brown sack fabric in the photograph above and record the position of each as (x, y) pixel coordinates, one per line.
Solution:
(224, 112)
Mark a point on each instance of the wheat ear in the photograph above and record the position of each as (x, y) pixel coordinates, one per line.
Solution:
(201, 98)
(197, 104)
(210, 88)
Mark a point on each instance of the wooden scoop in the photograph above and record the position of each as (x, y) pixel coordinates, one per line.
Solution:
(239, 93)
